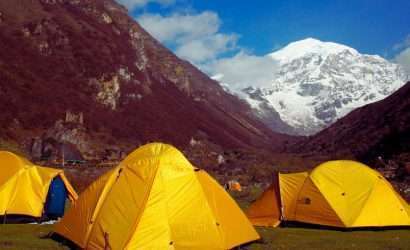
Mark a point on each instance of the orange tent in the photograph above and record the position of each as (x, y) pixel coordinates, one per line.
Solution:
(336, 193)
(155, 199)
(25, 188)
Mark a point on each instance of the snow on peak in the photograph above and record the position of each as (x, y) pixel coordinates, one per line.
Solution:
(314, 83)
(307, 47)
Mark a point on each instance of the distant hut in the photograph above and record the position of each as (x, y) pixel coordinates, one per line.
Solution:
(70, 154)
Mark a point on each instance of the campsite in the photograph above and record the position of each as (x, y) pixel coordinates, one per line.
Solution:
(17, 237)
(29, 236)
(169, 195)
(204, 125)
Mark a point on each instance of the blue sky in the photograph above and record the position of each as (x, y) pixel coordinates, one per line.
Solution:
(203, 31)
(370, 26)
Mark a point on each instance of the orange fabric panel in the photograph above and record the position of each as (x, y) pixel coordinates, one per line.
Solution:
(78, 221)
(265, 211)
(233, 224)
(312, 207)
(290, 186)
(72, 194)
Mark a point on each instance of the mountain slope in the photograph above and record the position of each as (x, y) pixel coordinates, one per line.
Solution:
(378, 129)
(316, 83)
(85, 73)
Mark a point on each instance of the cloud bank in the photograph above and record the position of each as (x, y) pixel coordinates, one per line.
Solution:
(198, 39)
(403, 59)
(194, 37)
(243, 70)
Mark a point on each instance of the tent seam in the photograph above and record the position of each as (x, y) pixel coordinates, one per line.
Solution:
(98, 205)
(135, 226)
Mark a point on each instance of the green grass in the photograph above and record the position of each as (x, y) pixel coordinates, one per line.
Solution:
(302, 238)
(32, 237)
(308, 238)
(27, 236)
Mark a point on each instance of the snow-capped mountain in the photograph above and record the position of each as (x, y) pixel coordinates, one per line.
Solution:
(316, 83)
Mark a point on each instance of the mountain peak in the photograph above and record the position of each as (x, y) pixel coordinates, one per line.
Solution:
(309, 46)
(315, 83)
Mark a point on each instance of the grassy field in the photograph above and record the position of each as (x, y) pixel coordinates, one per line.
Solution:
(33, 237)
(29, 236)
(302, 238)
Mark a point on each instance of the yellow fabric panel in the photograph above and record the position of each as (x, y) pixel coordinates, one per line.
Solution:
(24, 186)
(119, 218)
(122, 207)
(312, 207)
(72, 194)
(29, 193)
(10, 164)
(153, 231)
(192, 223)
(290, 186)
(383, 208)
(346, 185)
(7, 194)
(265, 211)
(234, 226)
(342, 194)
(154, 200)
(76, 223)
(403, 202)
(165, 154)
(176, 215)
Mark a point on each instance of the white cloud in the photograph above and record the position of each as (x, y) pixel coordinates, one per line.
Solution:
(180, 26)
(404, 44)
(243, 70)
(132, 4)
(403, 59)
(197, 38)
(194, 37)
(206, 48)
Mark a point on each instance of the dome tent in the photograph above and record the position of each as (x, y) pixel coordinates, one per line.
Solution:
(343, 193)
(155, 199)
(29, 191)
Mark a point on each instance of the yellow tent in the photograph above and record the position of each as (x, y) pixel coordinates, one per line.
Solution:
(336, 193)
(155, 199)
(24, 187)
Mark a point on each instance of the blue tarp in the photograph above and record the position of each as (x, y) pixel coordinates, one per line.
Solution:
(57, 195)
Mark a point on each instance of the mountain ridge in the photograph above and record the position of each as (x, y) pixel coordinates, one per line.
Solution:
(367, 132)
(316, 83)
(65, 59)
